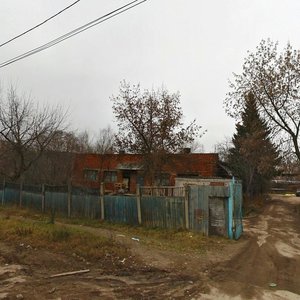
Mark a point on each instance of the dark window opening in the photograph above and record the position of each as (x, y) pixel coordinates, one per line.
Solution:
(188, 175)
(110, 176)
(162, 180)
(91, 175)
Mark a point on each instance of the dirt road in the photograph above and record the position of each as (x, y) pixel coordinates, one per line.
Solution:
(268, 265)
(263, 264)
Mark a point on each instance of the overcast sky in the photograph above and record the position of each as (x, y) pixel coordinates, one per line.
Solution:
(190, 46)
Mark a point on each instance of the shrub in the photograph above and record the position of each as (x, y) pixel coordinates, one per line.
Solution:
(23, 230)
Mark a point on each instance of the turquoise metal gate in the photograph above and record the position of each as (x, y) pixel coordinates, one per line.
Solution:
(235, 228)
(216, 210)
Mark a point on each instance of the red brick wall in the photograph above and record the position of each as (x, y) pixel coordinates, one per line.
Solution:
(202, 164)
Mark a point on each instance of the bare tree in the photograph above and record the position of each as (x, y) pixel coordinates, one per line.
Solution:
(151, 123)
(196, 146)
(64, 141)
(104, 142)
(223, 149)
(55, 164)
(273, 78)
(25, 131)
(84, 142)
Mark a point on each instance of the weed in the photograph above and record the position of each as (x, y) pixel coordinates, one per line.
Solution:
(59, 234)
(24, 230)
(52, 216)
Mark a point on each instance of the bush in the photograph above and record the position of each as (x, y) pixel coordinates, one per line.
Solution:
(23, 230)
(59, 234)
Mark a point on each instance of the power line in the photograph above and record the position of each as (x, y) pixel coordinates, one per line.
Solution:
(38, 25)
(74, 32)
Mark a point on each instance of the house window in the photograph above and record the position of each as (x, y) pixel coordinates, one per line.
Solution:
(162, 180)
(91, 175)
(110, 176)
(188, 175)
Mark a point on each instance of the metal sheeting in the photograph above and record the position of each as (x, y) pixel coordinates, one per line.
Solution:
(31, 196)
(216, 210)
(32, 200)
(121, 209)
(162, 212)
(218, 218)
(209, 209)
(56, 202)
(11, 194)
(85, 205)
(237, 210)
(198, 208)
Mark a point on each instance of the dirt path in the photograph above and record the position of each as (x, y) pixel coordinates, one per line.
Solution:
(268, 266)
(263, 264)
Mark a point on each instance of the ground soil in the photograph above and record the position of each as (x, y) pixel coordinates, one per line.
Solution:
(263, 264)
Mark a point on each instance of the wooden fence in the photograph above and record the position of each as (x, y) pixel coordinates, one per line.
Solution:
(197, 208)
(156, 207)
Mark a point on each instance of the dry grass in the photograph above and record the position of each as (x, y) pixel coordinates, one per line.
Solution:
(36, 228)
(255, 205)
(179, 240)
(39, 233)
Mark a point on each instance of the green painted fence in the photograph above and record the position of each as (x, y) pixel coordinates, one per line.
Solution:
(121, 209)
(85, 203)
(209, 209)
(162, 212)
(32, 196)
(11, 194)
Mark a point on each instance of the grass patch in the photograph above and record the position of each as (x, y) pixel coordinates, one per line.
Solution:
(17, 212)
(59, 238)
(59, 234)
(63, 238)
(254, 206)
(23, 230)
(179, 240)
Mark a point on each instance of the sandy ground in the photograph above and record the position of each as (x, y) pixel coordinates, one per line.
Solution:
(268, 265)
(263, 264)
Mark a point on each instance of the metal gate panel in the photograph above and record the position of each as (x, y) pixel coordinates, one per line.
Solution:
(198, 208)
(216, 209)
(237, 216)
(217, 216)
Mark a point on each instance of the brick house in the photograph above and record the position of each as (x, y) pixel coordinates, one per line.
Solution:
(126, 171)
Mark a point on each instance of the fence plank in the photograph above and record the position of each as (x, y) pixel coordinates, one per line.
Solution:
(69, 198)
(163, 212)
(121, 209)
(186, 207)
(43, 198)
(102, 201)
(3, 192)
(138, 204)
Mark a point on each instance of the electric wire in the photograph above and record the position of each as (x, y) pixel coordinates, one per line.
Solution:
(38, 25)
(74, 32)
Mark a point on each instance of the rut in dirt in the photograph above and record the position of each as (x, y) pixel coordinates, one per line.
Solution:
(270, 257)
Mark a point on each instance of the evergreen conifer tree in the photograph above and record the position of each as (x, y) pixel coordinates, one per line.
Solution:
(253, 157)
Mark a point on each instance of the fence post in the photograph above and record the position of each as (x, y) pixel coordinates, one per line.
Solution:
(3, 192)
(102, 200)
(138, 203)
(230, 208)
(21, 192)
(69, 198)
(186, 207)
(43, 198)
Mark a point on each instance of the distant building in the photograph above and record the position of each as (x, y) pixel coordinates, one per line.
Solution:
(124, 171)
